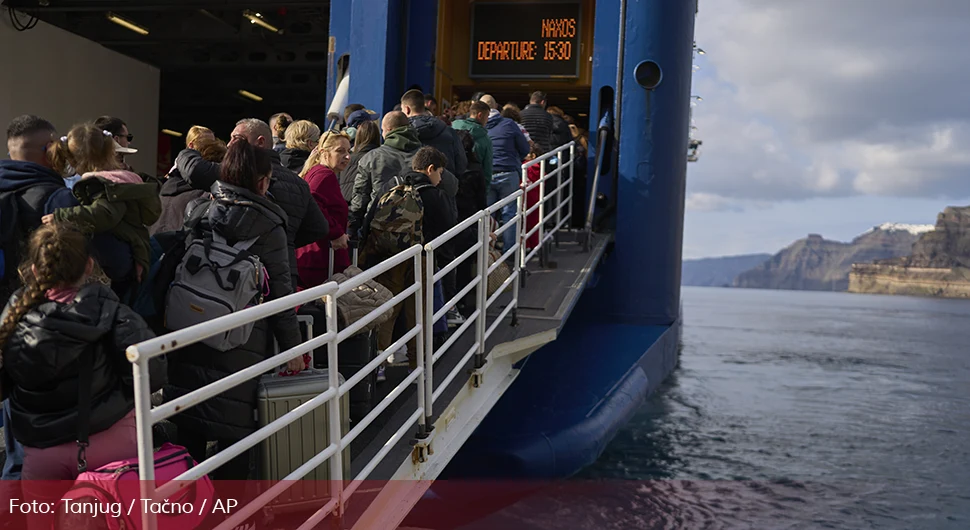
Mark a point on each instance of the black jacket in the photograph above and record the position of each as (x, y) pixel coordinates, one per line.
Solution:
(348, 175)
(176, 194)
(305, 222)
(560, 132)
(42, 359)
(471, 197)
(438, 216)
(538, 122)
(236, 214)
(293, 159)
(434, 132)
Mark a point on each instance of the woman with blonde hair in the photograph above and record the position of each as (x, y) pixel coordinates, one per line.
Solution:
(320, 171)
(196, 133)
(301, 137)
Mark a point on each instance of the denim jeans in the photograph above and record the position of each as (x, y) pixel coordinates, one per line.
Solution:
(15, 451)
(503, 185)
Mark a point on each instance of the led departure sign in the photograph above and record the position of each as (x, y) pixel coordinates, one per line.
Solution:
(525, 40)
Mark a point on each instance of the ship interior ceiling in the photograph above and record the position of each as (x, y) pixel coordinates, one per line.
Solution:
(209, 51)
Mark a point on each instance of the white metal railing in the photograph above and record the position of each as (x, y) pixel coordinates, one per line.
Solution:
(422, 259)
(557, 212)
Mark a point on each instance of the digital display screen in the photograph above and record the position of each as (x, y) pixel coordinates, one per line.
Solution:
(525, 40)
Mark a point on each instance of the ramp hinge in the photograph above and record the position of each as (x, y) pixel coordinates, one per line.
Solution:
(478, 378)
(421, 452)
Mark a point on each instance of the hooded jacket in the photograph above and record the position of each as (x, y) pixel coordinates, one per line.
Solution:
(176, 194)
(293, 159)
(435, 133)
(483, 144)
(119, 202)
(538, 122)
(305, 222)
(314, 259)
(349, 175)
(377, 168)
(236, 214)
(509, 146)
(41, 362)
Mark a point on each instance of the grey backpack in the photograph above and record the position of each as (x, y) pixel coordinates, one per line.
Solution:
(212, 280)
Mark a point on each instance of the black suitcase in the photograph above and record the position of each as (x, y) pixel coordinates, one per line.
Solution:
(354, 353)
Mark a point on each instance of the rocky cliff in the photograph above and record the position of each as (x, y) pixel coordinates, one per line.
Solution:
(718, 272)
(939, 264)
(818, 264)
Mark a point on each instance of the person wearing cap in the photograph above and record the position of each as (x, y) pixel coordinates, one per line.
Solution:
(355, 118)
(121, 136)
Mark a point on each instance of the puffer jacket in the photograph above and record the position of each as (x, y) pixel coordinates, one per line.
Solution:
(236, 214)
(435, 133)
(41, 361)
(538, 122)
(363, 299)
(348, 175)
(176, 195)
(377, 168)
(305, 222)
(118, 202)
(483, 144)
(509, 146)
(293, 159)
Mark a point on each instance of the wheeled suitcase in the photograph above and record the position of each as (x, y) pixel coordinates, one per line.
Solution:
(292, 446)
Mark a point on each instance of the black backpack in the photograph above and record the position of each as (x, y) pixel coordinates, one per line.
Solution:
(11, 239)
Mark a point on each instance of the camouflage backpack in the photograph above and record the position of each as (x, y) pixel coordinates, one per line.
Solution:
(398, 222)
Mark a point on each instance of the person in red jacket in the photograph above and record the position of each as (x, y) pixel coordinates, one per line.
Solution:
(328, 159)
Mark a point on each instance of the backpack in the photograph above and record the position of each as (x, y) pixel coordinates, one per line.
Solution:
(398, 221)
(214, 279)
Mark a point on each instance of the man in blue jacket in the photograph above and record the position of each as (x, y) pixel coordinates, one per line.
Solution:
(509, 149)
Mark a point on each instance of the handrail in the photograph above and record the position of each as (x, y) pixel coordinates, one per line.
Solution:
(422, 259)
(601, 137)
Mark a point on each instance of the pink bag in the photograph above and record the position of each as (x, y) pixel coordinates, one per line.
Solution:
(117, 483)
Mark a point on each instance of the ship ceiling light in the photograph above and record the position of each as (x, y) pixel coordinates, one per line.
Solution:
(250, 95)
(125, 23)
(257, 18)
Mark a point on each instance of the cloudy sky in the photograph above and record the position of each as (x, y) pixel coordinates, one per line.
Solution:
(826, 116)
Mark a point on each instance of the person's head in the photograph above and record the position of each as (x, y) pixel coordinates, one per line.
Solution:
(538, 98)
(393, 120)
(350, 109)
(87, 148)
(29, 138)
(512, 113)
(211, 149)
(555, 110)
(431, 162)
(479, 112)
(412, 103)
(196, 133)
(489, 100)
(360, 116)
(468, 143)
(333, 152)
(534, 152)
(302, 134)
(278, 123)
(254, 131)
(117, 128)
(430, 103)
(57, 255)
(246, 167)
(368, 133)
(568, 119)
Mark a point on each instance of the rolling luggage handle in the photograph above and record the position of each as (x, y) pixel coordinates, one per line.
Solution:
(352, 245)
(303, 321)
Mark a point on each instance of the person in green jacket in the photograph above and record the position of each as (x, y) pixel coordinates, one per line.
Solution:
(475, 125)
(110, 199)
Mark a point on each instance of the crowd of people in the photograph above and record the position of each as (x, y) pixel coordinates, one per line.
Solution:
(87, 244)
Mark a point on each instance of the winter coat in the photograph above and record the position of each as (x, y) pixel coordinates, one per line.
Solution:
(41, 362)
(313, 260)
(539, 124)
(305, 222)
(294, 159)
(472, 196)
(119, 202)
(176, 195)
(237, 214)
(433, 132)
(509, 146)
(437, 217)
(483, 144)
(348, 175)
(560, 132)
(377, 168)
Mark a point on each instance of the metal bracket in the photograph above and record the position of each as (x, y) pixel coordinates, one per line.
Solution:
(421, 452)
(477, 378)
